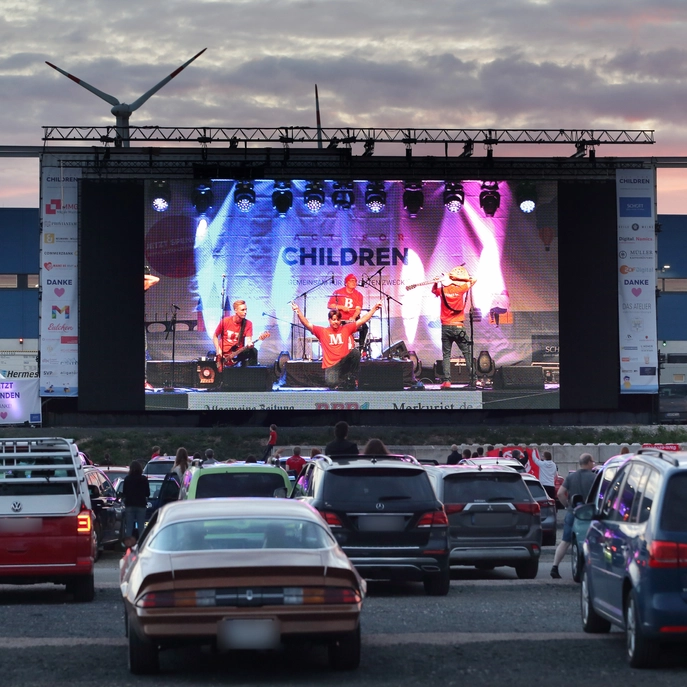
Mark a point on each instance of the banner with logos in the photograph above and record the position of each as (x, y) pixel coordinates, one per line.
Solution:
(637, 280)
(19, 398)
(58, 278)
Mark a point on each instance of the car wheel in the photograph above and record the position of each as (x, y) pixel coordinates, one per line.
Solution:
(641, 651)
(143, 655)
(83, 588)
(344, 653)
(591, 621)
(438, 585)
(527, 571)
(576, 561)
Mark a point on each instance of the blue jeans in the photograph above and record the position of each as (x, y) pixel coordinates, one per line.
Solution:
(348, 366)
(134, 515)
(453, 334)
(568, 526)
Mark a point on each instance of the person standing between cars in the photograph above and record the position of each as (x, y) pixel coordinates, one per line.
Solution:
(341, 446)
(453, 457)
(548, 472)
(271, 442)
(135, 493)
(577, 483)
(467, 454)
(156, 452)
(296, 461)
(180, 463)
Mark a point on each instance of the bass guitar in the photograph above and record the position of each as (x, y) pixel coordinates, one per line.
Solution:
(229, 360)
(442, 279)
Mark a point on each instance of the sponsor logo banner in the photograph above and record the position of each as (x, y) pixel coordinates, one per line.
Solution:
(19, 400)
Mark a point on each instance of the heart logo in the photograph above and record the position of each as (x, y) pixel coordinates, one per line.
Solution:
(47, 265)
(59, 292)
(636, 291)
(3, 415)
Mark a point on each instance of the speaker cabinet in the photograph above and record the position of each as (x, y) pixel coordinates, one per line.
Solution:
(258, 378)
(459, 371)
(159, 374)
(381, 376)
(516, 377)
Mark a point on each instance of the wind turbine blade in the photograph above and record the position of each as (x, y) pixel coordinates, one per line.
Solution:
(105, 96)
(137, 103)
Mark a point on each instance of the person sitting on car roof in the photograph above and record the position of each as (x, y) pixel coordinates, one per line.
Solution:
(375, 447)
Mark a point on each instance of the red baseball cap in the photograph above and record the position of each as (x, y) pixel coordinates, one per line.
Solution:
(350, 276)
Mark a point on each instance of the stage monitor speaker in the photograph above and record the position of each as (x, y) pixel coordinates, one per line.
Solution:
(258, 378)
(159, 374)
(396, 350)
(459, 371)
(516, 377)
(381, 376)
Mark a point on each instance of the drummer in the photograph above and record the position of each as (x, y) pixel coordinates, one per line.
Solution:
(349, 302)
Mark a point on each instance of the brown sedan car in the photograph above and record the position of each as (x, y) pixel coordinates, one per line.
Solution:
(239, 574)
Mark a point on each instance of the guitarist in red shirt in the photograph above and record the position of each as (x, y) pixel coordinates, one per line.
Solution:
(233, 339)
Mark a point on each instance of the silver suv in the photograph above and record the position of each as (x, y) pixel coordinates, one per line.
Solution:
(493, 518)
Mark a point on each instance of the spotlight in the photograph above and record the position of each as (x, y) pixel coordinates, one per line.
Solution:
(161, 196)
(490, 198)
(282, 198)
(375, 196)
(203, 198)
(369, 147)
(244, 196)
(454, 196)
(413, 198)
(343, 195)
(526, 196)
(313, 196)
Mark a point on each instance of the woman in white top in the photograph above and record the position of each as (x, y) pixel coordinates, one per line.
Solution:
(181, 463)
(547, 472)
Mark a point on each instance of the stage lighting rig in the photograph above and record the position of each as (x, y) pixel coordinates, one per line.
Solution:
(282, 197)
(454, 196)
(244, 196)
(413, 198)
(375, 196)
(526, 196)
(161, 197)
(490, 198)
(203, 198)
(343, 195)
(313, 197)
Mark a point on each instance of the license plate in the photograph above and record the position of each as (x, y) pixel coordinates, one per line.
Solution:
(491, 520)
(381, 523)
(248, 634)
(21, 525)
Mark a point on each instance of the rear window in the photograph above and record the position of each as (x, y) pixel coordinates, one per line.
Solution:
(7, 488)
(486, 487)
(536, 489)
(158, 467)
(241, 533)
(674, 513)
(238, 484)
(377, 485)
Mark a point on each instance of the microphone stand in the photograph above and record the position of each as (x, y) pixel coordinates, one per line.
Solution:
(173, 327)
(471, 340)
(389, 298)
(293, 327)
(304, 296)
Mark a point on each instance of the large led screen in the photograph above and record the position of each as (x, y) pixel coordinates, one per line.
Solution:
(273, 244)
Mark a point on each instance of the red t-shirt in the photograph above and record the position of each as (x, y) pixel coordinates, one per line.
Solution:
(273, 438)
(295, 463)
(345, 302)
(335, 345)
(455, 297)
(231, 328)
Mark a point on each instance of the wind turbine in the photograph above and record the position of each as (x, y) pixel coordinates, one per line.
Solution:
(122, 111)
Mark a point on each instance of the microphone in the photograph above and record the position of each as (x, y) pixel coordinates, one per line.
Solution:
(176, 307)
(333, 282)
(264, 314)
(224, 276)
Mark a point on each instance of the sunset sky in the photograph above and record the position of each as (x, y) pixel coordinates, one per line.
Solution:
(556, 64)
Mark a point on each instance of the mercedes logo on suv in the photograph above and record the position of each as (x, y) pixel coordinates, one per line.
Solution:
(16, 507)
(380, 506)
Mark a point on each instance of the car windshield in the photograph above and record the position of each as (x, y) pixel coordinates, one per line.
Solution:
(485, 487)
(222, 484)
(674, 514)
(154, 485)
(241, 533)
(376, 485)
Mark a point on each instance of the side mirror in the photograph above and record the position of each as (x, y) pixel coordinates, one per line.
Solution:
(280, 493)
(585, 513)
(577, 500)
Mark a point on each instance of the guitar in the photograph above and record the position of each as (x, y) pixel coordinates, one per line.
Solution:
(446, 278)
(229, 360)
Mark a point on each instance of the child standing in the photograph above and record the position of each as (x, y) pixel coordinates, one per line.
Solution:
(271, 442)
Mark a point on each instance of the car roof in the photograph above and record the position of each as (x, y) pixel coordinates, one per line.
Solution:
(444, 470)
(235, 467)
(387, 460)
(178, 511)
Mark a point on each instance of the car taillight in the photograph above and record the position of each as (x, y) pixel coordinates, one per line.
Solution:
(435, 517)
(667, 554)
(551, 503)
(84, 523)
(321, 595)
(452, 508)
(531, 508)
(332, 519)
(179, 599)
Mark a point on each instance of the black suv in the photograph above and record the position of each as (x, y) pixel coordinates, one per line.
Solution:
(384, 514)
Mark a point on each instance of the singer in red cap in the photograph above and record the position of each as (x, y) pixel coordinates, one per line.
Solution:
(349, 302)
